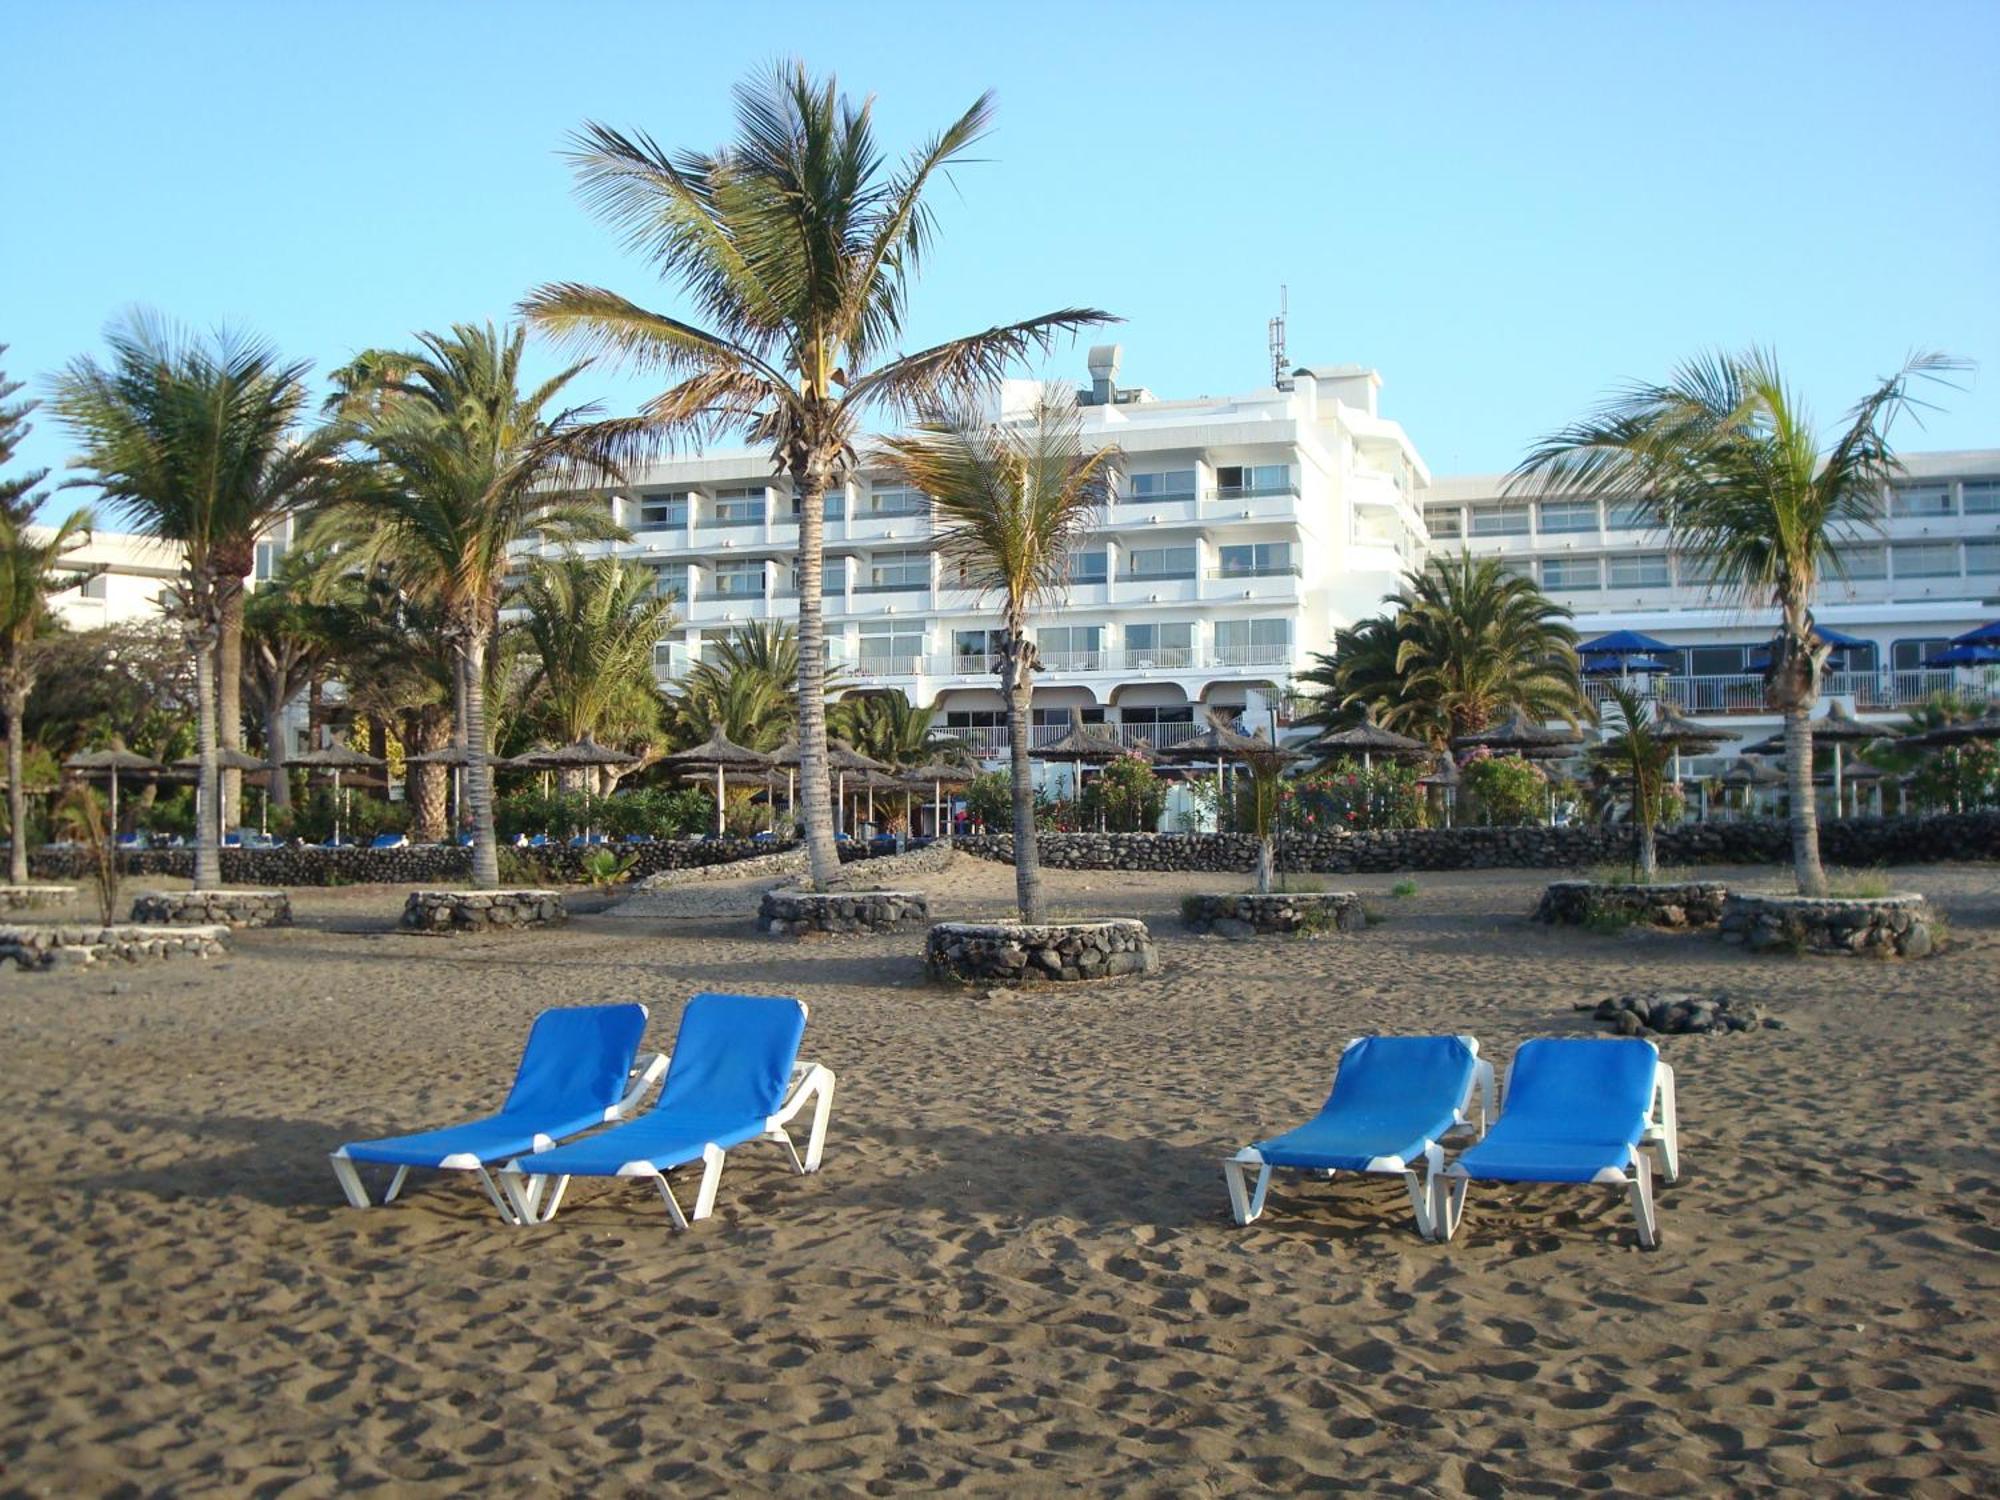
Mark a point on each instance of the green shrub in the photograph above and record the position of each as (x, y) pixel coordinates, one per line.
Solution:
(1124, 795)
(1507, 790)
(1348, 795)
(1403, 888)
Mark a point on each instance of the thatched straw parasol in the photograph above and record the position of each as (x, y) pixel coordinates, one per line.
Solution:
(1519, 737)
(718, 753)
(113, 762)
(1368, 740)
(939, 774)
(337, 759)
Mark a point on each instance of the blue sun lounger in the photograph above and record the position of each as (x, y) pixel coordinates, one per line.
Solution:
(1576, 1110)
(579, 1069)
(733, 1077)
(1394, 1099)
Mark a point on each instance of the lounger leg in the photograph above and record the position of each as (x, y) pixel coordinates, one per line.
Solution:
(673, 1206)
(507, 1213)
(1451, 1205)
(711, 1179)
(1642, 1201)
(396, 1184)
(555, 1197)
(822, 1114)
(1244, 1205)
(522, 1191)
(1423, 1194)
(350, 1181)
(1420, 1201)
(1670, 1125)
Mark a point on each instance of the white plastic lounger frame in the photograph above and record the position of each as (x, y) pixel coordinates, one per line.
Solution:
(810, 1083)
(647, 1069)
(1247, 1203)
(1662, 1132)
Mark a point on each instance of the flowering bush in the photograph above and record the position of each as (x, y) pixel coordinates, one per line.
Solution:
(1125, 794)
(1346, 795)
(1506, 789)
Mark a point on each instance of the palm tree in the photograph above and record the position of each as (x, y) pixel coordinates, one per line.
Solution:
(462, 473)
(1630, 747)
(1010, 503)
(1726, 458)
(289, 638)
(1465, 643)
(745, 685)
(197, 444)
(31, 569)
(886, 726)
(592, 625)
(797, 243)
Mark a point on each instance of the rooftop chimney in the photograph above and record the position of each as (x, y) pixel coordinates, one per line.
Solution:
(1104, 360)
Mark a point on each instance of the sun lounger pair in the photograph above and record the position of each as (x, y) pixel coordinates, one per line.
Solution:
(1573, 1111)
(732, 1078)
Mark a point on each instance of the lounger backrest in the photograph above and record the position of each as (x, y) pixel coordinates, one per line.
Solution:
(1385, 1076)
(577, 1060)
(1582, 1089)
(734, 1055)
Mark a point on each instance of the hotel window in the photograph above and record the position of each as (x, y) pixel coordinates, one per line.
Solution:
(1982, 555)
(832, 506)
(893, 648)
(1255, 560)
(1863, 563)
(1694, 570)
(268, 557)
(893, 500)
(739, 580)
(1089, 567)
(662, 513)
(1058, 719)
(1168, 484)
(1500, 520)
(1445, 522)
(976, 650)
(1071, 648)
(670, 580)
(712, 642)
(1920, 500)
(1715, 661)
(1629, 515)
(1571, 573)
(96, 586)
(1569, 515)
(1926, 559)
(1982, 496)
(1160, 563)
(1638, 570)
(1235, 481)
(832, 576)
(1908, 656)
(1170, 645)
(899, 572)
(1252, 643)
(739, 507)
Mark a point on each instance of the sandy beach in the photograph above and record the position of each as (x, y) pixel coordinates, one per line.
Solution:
(1017, 1273)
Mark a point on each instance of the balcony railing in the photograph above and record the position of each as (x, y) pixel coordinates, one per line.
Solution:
(1250, 656)
(1260, 570)
(1743, 692)
(1178, 575)
(726, 523)
(1252, 491)
(992, 740)
(922, 586)
(669, 523)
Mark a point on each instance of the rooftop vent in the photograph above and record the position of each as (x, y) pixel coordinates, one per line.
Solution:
(1104, 362)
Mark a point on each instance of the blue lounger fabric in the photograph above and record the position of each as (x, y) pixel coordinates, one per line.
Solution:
(1392, 1096)
(1574, 1108)
(731, 1065)
(577, 1065)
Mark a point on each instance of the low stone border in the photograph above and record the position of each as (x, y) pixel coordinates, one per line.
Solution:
(32, 897)
(1246, 914)
(75, 947)
(213, 908)
(1008, 953)
(1896, 926)
(1678, 1013)
(1578, 903)
(794, 913)
(482, 911)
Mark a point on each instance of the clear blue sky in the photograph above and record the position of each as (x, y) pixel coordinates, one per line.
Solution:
(1504, 208)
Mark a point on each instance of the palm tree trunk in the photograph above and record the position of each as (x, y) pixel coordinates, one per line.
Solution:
(207, 787)
(1806, 869)
(229, 691)
(822, 853)
(1649, 857)
(274, 751)
(1017, 676)
(17, 793)
(425, 786)
(479, 771)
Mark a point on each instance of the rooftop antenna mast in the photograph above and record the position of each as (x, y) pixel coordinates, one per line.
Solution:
(1277, 331)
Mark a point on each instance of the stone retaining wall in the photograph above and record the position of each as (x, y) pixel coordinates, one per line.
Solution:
(795, 913)
(1008, 953)
(34, 897)
(1242, 914)
(213, 908)
(1847, 841)
(1578, 903)
(482, 911)
(1898, 926)
(49, 947)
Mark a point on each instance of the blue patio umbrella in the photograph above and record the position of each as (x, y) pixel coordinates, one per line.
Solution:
(1986, 635)
(1965, 653)
(1607, 665)
(1623, 643)
(1840, 641)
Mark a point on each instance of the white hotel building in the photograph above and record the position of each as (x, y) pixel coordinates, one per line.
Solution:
(1246, 529)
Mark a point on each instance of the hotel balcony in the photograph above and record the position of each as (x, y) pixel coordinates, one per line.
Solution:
(1742, 693)
(990, 742)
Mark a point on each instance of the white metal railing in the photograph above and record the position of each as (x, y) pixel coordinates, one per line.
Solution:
(1743, 692)
(991, 740)
(1250, 656)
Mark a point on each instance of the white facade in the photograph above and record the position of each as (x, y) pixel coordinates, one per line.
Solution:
(136, 571)
(1932, 572)
(1246, 530)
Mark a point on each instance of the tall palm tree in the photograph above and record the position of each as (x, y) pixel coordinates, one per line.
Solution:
(1632, 748)
(1464, 643)
(592, 625)
(886, 726)
(746, 688)
(1010, 503)
(461, 473)
(797, 243)
(198, 444)
(1725, 456)
(31, 569)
